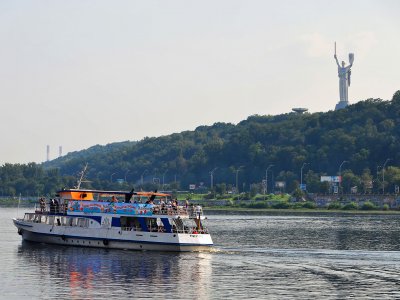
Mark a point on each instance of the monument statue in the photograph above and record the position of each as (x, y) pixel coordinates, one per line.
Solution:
(344, 74)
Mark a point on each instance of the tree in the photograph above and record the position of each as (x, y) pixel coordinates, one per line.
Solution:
(349, 180)
(392, 178)
(366, 180)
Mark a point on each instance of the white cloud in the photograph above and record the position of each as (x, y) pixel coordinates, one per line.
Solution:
(316, 45)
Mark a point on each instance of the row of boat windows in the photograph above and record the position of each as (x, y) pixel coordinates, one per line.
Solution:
(58, 220)
(126, 223)
(162, 225)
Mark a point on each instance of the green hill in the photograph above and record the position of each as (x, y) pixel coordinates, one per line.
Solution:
(364, 134)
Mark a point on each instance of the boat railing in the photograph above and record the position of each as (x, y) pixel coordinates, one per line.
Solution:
(169, 210)
(50, 209)
(191, 211)
(195, 211)
(157, 209)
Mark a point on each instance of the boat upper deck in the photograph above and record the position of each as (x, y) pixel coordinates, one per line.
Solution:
(89, 202)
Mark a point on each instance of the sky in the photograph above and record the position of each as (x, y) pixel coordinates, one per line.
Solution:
(80, 73)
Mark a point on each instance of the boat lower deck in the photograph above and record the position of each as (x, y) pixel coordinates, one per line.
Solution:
(112, 239)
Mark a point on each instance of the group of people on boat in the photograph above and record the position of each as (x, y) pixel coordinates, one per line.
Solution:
(54, 205)
(159, 206)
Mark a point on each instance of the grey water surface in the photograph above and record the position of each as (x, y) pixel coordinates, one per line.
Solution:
(256, 256)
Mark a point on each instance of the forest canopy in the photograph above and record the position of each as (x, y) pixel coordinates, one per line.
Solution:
(360, 138)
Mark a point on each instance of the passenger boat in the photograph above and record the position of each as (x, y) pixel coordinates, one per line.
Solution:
(118, 220)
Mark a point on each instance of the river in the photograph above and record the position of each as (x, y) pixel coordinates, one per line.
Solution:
(256, 256)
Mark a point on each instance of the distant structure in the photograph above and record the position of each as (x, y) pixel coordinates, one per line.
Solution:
(59, 151)
(300, 110)
(48, 153)
(344, 74)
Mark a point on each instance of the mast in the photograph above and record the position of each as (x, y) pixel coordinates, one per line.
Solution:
(82, 174)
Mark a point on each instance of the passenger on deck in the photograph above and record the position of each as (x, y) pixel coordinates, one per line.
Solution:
(114, 199)
(52, 205)
(56, 206)
(42, 204)
(175, 205)
(162, 204)
(198, 211)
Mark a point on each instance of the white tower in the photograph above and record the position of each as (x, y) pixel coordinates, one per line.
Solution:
(48, 153)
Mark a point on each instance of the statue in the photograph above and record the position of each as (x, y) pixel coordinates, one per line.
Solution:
(344, 74)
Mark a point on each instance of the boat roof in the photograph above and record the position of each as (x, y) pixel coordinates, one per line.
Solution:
(145, 194)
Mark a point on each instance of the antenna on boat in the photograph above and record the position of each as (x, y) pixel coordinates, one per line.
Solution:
(82, 174)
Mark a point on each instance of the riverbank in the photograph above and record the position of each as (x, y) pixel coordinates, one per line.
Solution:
(300, 211)
(15, 203)
(230, 209)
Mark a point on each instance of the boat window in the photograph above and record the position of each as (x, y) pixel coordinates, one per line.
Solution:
(130, 223)
(50, 220)
(152, 224)
(82, 222)
(178, 225)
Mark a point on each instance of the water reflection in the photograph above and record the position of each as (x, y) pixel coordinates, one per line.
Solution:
(89, 273)
(261, 256)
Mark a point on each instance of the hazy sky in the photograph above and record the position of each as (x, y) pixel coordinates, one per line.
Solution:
(80, 73)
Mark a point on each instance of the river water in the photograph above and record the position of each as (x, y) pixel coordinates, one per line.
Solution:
(256, 256)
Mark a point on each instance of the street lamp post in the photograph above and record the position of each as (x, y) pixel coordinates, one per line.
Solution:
(383, 175)
(163, 176)
(301, 174)
(340, 174)
(126, 174)
(377, 178)
(112, 176)
(237, 177)
(144, 172)
(266, 178)
(212, 178)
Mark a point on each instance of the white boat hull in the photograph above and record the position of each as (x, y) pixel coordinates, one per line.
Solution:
(112, 238)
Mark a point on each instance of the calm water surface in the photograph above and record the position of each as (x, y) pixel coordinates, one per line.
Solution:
(256, 256)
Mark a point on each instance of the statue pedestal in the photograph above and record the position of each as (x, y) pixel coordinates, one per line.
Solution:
(341, 104)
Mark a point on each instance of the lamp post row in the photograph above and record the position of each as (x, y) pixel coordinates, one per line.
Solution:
(266, 175)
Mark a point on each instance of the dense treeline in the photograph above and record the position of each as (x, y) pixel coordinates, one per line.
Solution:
(31, 179)
(364, 136)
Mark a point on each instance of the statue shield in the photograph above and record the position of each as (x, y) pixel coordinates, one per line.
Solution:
(351, 58)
